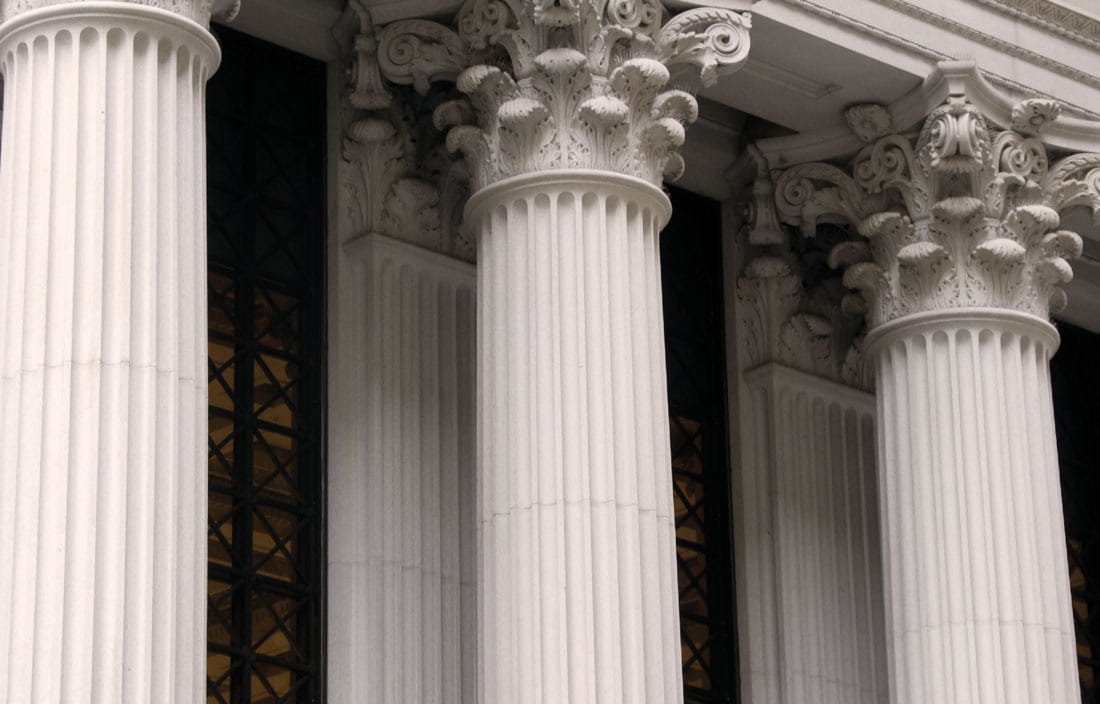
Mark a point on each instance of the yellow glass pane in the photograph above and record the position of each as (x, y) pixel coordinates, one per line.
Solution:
(275, 465)
(271, 684)
(276, 320)
(217, 669)
(221, 374)
(274, 543)
(275, 395)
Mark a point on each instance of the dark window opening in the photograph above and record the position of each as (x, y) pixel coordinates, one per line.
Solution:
(691, 273)
(1076, 387)
(265, 160)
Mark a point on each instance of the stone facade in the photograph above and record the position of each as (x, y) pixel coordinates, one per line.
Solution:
(498, 344)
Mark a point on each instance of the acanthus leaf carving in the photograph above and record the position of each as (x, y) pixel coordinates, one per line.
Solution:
(954, 218)
(548, 80)
(781, 320)
(397, 182)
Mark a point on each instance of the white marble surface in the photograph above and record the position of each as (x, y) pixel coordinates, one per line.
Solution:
(103, 324)
(577, 582)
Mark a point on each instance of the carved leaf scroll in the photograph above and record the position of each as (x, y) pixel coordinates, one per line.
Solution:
(959, 217)
(556, 84)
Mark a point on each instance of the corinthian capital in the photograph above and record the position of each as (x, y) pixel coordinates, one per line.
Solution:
(960, 216)
(558, 84)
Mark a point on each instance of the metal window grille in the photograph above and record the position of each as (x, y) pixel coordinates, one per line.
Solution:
(1076, 386)
(265, 115)
(691, 275)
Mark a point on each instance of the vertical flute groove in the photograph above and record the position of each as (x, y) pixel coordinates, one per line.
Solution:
(106, 545)
(813, 581)
(1001, 629)
(406, 479)
(578, 579)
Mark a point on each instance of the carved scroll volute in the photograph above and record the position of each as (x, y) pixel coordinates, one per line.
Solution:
(808, 194)
(556, 84)
(395, 181)
(960, 217)
(712, 40)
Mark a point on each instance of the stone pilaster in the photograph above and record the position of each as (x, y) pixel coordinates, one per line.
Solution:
(103, 361)
(402, 499)
(810, 604)
(958, 273)
(810, 563)
(567, 126)
(402, 509)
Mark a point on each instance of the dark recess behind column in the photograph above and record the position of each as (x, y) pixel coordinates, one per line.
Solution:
(266, 223)
(691, 273)
(1075, 379)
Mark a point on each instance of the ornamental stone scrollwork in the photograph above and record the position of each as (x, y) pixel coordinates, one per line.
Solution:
(959, 217)
(780, 322)
(869, 121)
(199, 11)
(1029, 117)
(556, 84)
(397, 177)
(791, 309)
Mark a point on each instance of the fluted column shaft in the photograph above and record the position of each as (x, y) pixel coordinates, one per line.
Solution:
(810, 572)
(401, 476)
(978, 599)
(578, 597)
(103, 330)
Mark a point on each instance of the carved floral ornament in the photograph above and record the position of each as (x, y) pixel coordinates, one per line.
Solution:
(782, 320)
(554, 84)
(959, 217)
(395, 182)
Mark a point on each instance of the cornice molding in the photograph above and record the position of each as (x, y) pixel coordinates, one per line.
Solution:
(565, 84)
(933, 55)
(1009, 48)
(1058, 19)
(949, 78)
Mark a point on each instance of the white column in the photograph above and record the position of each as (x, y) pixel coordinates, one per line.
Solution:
(566, 148)
(814, 607)
(402, 554)
(959, 273)
(103, 329)
(578, 594)
(976, 550)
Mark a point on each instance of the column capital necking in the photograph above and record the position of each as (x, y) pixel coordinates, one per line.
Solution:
(959, 215)
(560, 84)
(199, 11)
